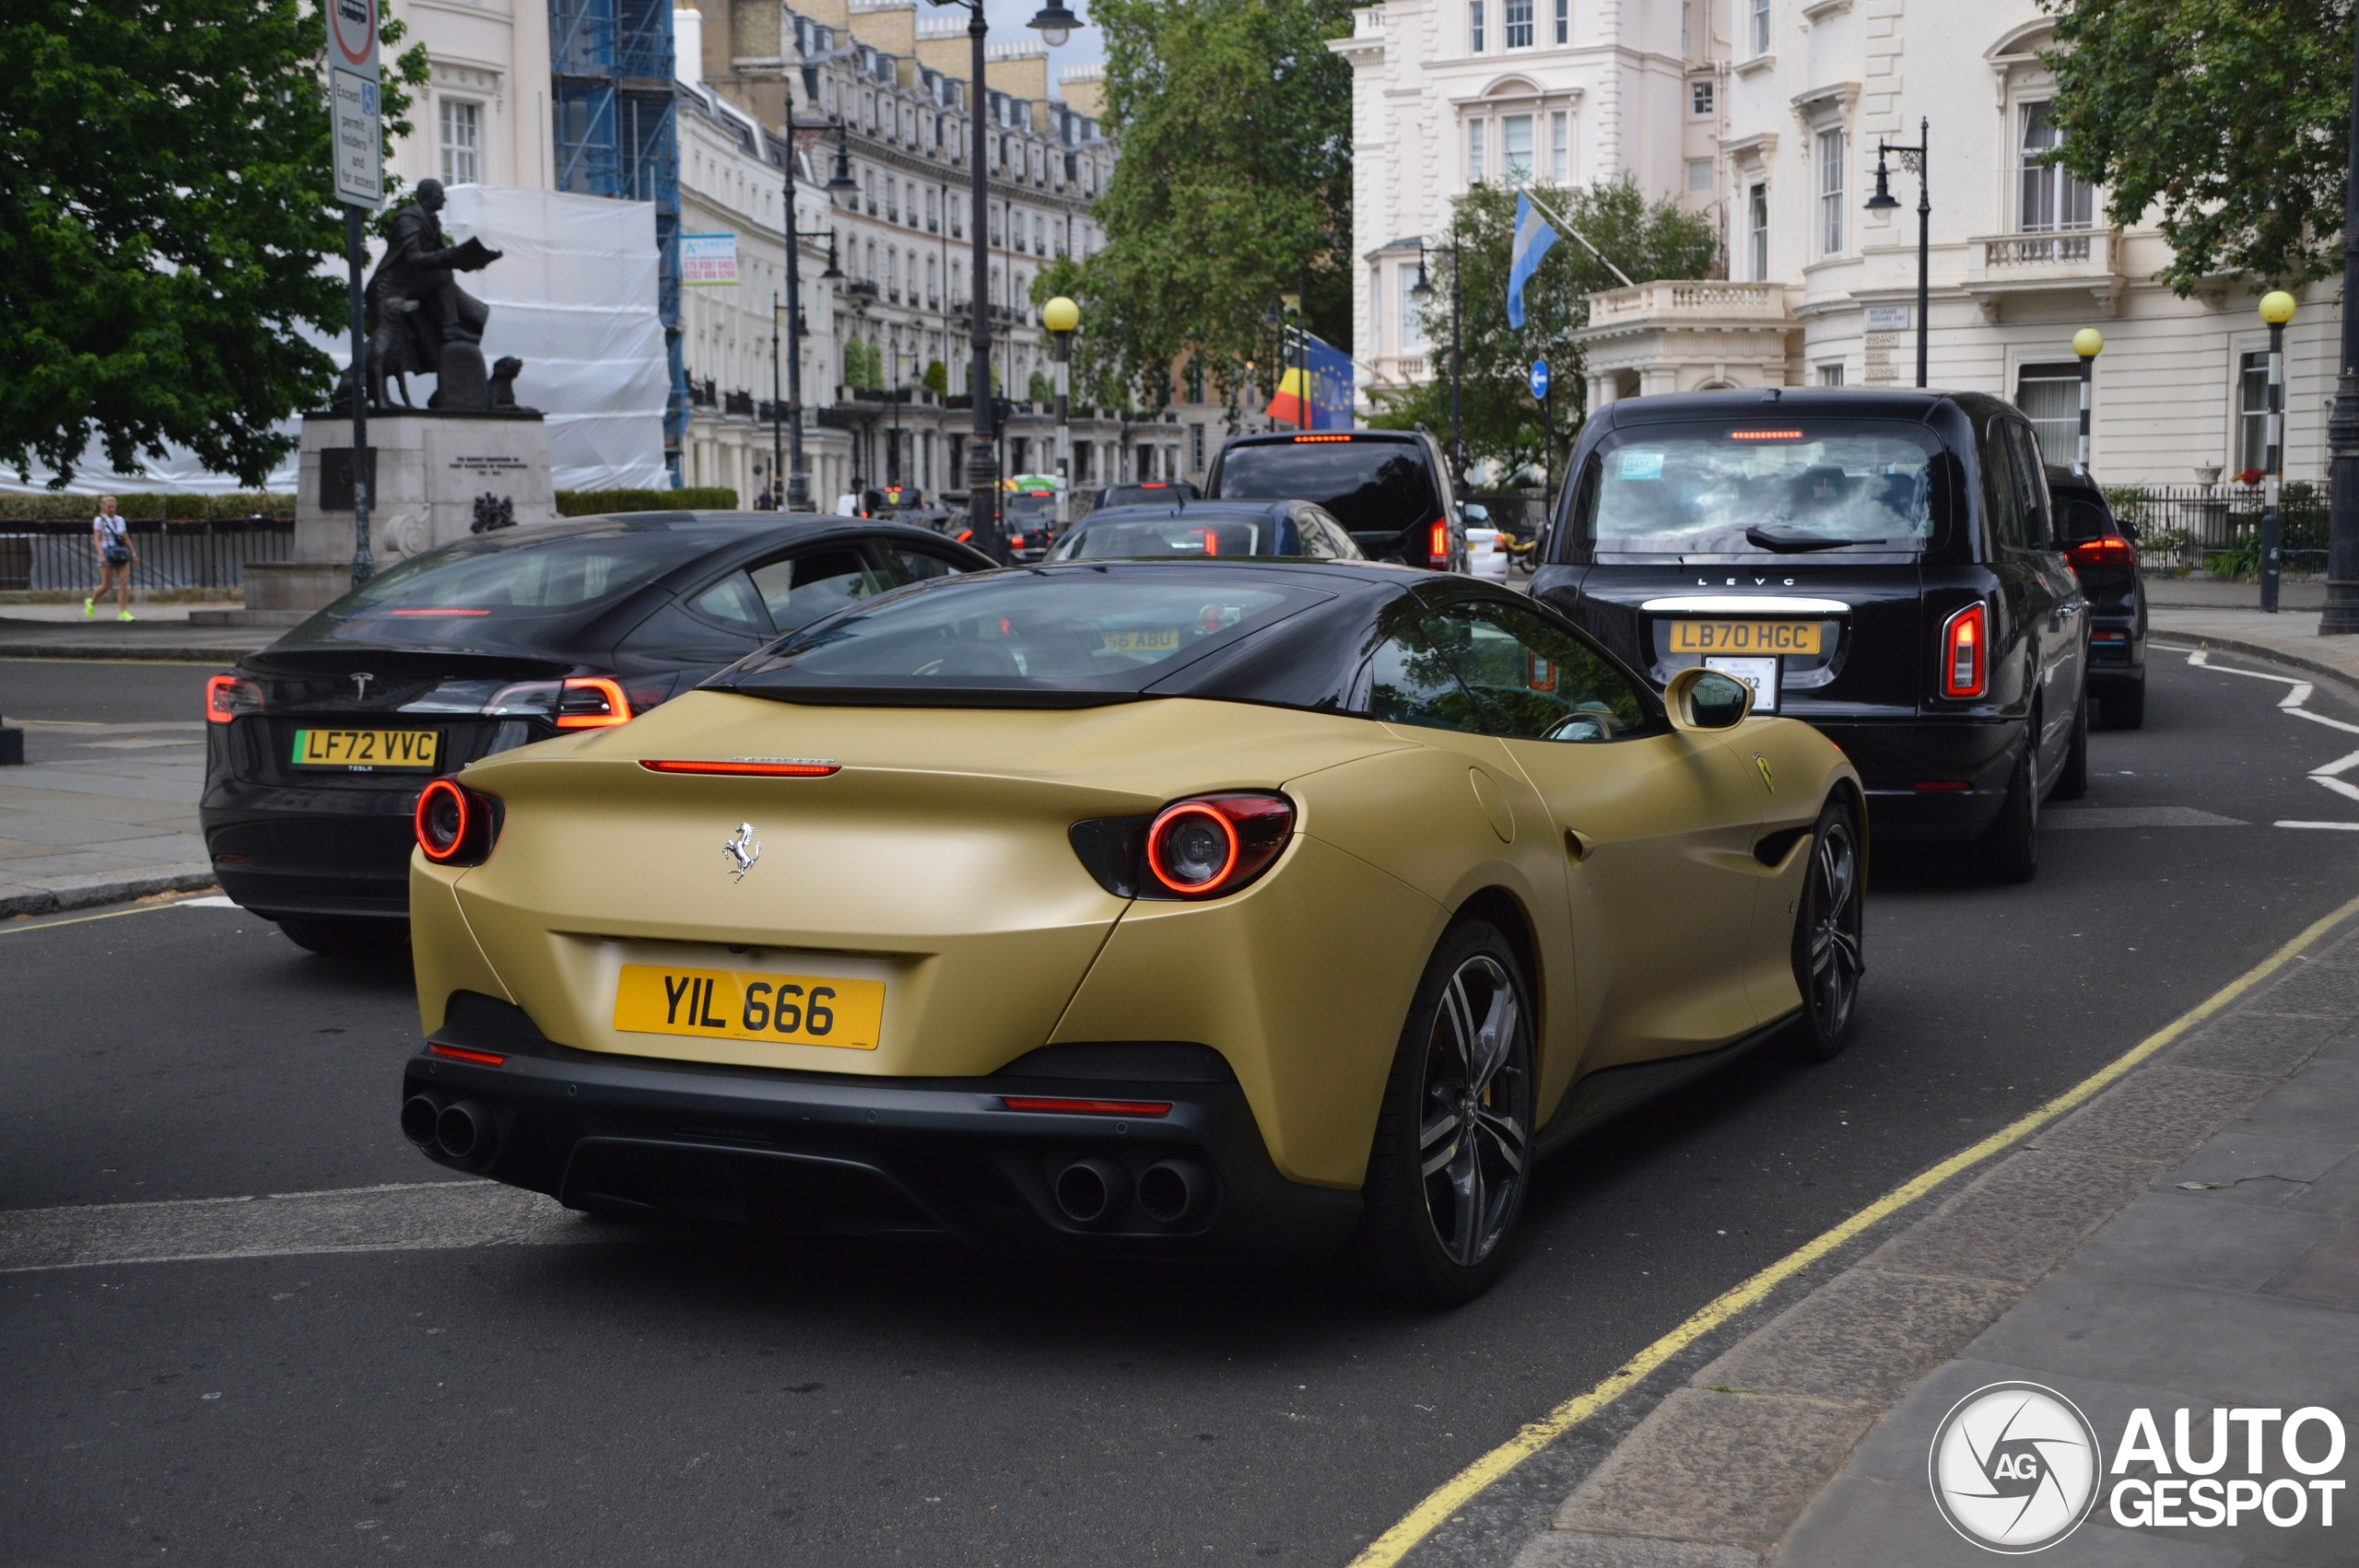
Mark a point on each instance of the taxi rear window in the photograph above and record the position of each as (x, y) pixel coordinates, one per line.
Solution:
(1763, 486)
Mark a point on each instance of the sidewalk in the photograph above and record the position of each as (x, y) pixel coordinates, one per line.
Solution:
(2227, 616)
(102, 812)
(30, 631)
(2186, 1239)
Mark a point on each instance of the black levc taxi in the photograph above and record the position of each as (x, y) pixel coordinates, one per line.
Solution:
(320, 744)
(1885, 565)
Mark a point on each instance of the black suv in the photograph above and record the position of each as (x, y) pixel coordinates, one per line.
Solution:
(1885, 565)
(1389, 488)
(2104, 553)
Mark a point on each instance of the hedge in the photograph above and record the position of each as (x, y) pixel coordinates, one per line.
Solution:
(593, 503)
(47, 505)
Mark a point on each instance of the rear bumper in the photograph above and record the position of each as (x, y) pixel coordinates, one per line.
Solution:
(286, 851)
(1930, 777)
(848, 1154)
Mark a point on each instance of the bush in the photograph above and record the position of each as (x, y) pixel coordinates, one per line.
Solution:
(938, 380)
(596, 503)
(59, 507)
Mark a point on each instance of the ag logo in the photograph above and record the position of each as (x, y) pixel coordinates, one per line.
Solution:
(2014, 1467)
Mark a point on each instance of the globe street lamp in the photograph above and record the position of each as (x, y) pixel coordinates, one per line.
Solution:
(1055, 25)
(1060, 315)
(2276, 309)
(1913, 159)
(2088, 343)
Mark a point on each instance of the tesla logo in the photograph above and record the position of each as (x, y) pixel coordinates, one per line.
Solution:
(360, 685)
(743, 851)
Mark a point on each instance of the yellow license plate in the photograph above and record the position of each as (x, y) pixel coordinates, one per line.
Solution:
(1159, 640)
(367, 748)
(725, 1004)
(1744, 637)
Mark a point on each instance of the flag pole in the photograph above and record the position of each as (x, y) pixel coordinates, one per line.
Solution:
(1551, 213)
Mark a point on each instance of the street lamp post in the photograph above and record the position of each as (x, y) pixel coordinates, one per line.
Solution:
(1055, 24)
(2088, 343)
(2341, 616)
(1423, 291)
(2276, 309)
(1060, 315)
(777, 415)
(1913, 159)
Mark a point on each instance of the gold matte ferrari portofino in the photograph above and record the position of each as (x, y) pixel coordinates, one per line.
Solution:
(1238, 909)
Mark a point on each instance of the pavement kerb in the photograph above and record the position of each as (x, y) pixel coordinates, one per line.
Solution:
(82, 894)
(2190, 641)
(1709, 1492)
(142, 652)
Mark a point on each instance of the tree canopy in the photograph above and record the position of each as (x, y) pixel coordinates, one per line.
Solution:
(2230, 116)
(1500, 422)
(1234, 187)
(164, 213)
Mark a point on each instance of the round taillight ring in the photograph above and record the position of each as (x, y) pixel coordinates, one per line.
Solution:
(445, 817)
(1159, 843)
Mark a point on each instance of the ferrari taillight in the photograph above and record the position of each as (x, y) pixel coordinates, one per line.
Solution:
(591, 702)
(1215, 844)
(2109, 550)
(455, 823)
(1964, 652)
(227, 696)
(1441, 551)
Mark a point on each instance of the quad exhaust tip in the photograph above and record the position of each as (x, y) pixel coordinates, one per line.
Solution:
(1093, 1191)
(417, 1120)
(462, 1131)
(1175, 1191)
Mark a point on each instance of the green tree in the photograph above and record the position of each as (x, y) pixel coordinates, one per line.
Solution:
(937, 379)
(1500, 423)
(1234, 186)
(2229, 116)
(163, 219)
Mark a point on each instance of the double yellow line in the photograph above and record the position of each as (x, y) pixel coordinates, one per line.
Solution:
(1396, 1543)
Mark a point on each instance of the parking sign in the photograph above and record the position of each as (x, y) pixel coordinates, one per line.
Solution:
(357, 142)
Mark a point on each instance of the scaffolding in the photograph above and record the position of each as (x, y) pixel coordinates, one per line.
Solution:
(615, 135)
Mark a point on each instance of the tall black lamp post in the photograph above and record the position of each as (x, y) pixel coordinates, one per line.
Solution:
(1913, 159)
(1055, 24)
(1422, 291)
(2341, 616)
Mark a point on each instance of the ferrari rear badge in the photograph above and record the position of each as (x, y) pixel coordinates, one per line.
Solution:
(1767, 776)
(743, 851)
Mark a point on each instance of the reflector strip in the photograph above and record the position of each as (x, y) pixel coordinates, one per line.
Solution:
(455, 1053)
(794, 767)
(1087, 1107)
(1929, 785)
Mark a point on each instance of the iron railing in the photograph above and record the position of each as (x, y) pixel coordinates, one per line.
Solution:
(57, 556)
(2216, 529)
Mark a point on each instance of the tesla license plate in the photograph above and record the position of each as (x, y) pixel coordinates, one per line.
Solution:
(1744, 637)
(727, 1004)
(367, 748)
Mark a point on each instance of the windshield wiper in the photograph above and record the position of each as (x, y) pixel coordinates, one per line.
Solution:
(1787, 541)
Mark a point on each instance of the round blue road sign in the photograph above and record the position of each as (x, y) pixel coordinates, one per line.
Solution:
(1539, 377)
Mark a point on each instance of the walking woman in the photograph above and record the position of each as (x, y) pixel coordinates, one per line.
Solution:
(111, 536)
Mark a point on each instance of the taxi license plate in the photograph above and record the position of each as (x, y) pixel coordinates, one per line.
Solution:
(1744, 637)
(1157, 639)
(729, 1005)
(367, 748)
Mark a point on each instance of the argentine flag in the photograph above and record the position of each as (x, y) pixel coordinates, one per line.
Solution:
(1532, 239)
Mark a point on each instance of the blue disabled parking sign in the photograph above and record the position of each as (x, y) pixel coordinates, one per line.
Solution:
(1538, 379)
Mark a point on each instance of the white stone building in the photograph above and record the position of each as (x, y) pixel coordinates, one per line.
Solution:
(483, 118)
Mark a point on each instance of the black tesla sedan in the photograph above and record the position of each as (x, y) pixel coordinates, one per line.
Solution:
(1885, 565)
(1210, 530)
(320, 743)
(2104, 553)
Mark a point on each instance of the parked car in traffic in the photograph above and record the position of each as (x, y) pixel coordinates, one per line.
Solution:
(1236, 909)
(1149, 493)
(1390, 488)
(320, 744)
(1886, 565)
(2104, 553)
(1029, 515)
(1208, 529)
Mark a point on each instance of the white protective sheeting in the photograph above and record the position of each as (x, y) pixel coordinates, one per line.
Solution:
(573, 296)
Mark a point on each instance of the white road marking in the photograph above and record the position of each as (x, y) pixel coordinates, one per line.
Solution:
(2136, 816)
(400, 1217)
(210, 901)
(2298, 692)
(2330, 826)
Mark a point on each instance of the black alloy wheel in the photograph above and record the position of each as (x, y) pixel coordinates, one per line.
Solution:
(1829, 927)
(2074, 781)
(2009, 846)
(1453, 1144)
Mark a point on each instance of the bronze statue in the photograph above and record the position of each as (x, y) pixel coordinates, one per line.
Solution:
(420, 321)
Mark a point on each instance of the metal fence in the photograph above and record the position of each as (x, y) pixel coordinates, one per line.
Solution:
(2216, 529)
(55, 556)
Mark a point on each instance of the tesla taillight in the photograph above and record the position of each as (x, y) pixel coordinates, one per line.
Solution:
(591, 702)
(1213, 845)
(1441, 542)
(2110, 550)
(226, 698)
(1964, 652)
(455, 823)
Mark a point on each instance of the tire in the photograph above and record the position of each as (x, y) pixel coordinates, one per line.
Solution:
(2123, 707)
(332, 936)
(1440, 1204)
(2074, 781)
(1829, 923)
(2009, 846)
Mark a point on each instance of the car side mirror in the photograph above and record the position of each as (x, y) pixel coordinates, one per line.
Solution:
(1705, 699)
(1474, 512)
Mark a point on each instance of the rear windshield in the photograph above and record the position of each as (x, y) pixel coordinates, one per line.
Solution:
(1369, 487)
(1087, 633)
(1794, 486)
(1194, 536)
(481, 578)
(1031, 503)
